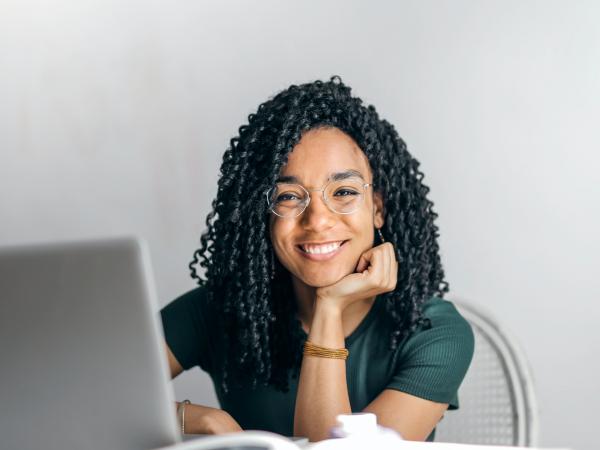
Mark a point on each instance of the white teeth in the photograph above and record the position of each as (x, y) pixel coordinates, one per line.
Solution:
(320, 249)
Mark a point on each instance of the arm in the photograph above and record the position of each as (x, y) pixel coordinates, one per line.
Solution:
(174, 367)
(323, 392)
(322, 389)
(202, 419)
(434, 363)
(413, 417)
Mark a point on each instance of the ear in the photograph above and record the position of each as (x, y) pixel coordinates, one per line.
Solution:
(378, 211)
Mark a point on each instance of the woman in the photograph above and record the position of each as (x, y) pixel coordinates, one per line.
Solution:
(323, 286)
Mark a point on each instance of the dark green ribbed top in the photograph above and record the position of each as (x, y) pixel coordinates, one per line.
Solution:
(429, 364)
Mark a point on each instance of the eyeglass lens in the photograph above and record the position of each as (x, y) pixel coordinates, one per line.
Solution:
(343, 197)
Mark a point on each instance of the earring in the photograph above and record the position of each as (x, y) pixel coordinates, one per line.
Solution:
(380, 235)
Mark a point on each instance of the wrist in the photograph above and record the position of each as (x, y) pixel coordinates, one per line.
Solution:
(327, 306)
(326, 327)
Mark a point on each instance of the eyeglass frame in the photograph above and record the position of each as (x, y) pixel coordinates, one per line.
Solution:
(308, 191)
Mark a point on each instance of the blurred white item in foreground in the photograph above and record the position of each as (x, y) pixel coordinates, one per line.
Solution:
(388, 443)
(360, 424)
(245, 439)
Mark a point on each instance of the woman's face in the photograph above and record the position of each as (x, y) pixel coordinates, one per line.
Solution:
(319, 154)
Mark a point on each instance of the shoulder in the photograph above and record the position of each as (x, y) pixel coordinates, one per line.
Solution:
(449, 333)
(443, 313)
(197, 295)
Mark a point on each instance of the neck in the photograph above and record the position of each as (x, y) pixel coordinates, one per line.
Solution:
(306, 296)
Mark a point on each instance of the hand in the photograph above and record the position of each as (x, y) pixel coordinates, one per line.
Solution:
(376, 273)
(206, 420)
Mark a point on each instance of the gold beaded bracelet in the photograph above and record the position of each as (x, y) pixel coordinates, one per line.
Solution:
(311, 349)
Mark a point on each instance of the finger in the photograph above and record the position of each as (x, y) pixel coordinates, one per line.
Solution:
(364, 260)
(385, 256)
(394, 273)
(393, 268)
(377, 269)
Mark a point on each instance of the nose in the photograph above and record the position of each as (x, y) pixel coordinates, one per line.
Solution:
(317, 216)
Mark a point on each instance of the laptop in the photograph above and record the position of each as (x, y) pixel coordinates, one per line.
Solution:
(78, 343)
(81, 350)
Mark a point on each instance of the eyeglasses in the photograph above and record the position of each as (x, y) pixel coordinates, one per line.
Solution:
(342, 197)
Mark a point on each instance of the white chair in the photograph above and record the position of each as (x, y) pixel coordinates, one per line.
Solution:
(497, 402)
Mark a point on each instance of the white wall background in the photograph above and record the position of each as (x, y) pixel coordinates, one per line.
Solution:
(114, 116)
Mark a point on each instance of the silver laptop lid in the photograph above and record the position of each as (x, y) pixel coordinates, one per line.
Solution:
(82, 359)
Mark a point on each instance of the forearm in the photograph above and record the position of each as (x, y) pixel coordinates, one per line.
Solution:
(322, 389)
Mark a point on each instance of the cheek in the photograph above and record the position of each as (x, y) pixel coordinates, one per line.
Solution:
(362, 225)
(278, 232)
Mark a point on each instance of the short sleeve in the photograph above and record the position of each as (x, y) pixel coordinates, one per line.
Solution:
(433, 362)
(184, 324)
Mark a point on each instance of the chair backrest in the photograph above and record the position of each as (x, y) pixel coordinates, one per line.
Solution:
(497, 401)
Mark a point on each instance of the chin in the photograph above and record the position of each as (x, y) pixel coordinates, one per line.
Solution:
(322, 279)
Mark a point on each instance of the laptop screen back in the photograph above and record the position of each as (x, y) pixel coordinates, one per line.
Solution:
(82, 363)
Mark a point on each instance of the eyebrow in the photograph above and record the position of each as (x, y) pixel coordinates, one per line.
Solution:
(336, 176)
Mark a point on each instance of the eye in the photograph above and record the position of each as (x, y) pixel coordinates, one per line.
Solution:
(345, 192)
(285, 197)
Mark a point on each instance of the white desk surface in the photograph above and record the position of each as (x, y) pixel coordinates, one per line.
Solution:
(272, 441)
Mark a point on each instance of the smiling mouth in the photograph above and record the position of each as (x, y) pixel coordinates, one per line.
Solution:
(325, 249)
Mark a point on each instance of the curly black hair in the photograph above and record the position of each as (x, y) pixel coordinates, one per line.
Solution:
(244, 280)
